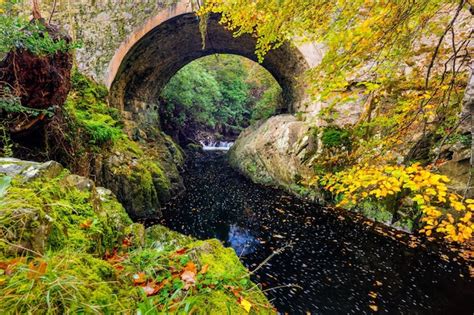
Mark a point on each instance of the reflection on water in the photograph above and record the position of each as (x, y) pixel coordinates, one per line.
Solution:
(241, 240)
(338, 266)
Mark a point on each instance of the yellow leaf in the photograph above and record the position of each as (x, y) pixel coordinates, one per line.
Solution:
(374, 307)
(246, 305)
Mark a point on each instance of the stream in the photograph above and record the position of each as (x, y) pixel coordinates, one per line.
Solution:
(330, 264)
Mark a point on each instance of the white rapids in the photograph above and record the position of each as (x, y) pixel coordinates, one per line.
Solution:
(216, 146)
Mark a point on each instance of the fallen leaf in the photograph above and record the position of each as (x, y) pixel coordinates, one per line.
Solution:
(9, 266)
(139, 278)
(152, 288)
(180, 251)
(190, 266)
(126, 242)
(114, 258)
(204, 269)
(86, 224)
(36, 270)
(280, 210)
(246, 305)
(189, 279)
(235, 291)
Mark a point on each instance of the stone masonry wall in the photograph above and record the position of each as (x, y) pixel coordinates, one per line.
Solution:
(101, 25)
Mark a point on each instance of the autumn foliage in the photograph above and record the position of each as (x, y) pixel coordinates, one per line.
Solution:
(405, 63)
(439, 210)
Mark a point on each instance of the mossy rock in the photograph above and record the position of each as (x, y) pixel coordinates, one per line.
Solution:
(160, 236)
(168, 250)
(54, 231)
(53, 213)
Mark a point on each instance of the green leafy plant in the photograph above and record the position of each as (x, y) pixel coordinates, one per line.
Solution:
(10, 103)
(335, 137)
(4, 184)
(17, 32)
(224, 93)
(7, 145)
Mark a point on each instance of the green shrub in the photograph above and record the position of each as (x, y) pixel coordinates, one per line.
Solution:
(334, 137)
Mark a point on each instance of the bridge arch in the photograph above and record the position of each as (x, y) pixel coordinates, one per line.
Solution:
(151, 55)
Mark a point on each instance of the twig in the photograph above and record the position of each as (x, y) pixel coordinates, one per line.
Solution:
(440, 42)
(263, 263)
(52, 11)
(284, 286)
(243, 250)
(20, 247)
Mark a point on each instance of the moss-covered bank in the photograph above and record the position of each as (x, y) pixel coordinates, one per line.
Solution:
(67, 246)
(95, 140)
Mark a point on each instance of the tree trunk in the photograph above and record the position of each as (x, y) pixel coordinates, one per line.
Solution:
(36, 10)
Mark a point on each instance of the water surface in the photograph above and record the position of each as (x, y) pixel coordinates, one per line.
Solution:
(336, 266)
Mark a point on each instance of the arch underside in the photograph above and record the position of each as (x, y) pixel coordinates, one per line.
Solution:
(157, 56)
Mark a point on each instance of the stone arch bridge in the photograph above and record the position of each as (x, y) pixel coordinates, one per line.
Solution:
(135, 47)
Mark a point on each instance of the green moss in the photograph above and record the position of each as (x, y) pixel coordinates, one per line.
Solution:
(211, 293)
(52, 214)
(71, 283)
(87, 107)
(159, 236)
(252, 168)
(129, 147)
(223, 262)
(142, 167)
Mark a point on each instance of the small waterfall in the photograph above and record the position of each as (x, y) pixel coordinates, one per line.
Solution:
(216, 146)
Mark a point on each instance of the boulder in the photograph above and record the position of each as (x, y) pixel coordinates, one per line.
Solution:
(43, 207)
(275, 152)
